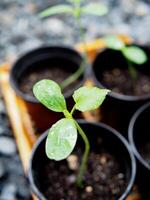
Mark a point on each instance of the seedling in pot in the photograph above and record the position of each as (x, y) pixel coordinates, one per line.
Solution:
(62, 136)
(133, 54)
(76, 9)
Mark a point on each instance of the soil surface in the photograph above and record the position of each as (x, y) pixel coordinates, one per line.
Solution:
(54, 73)
(103, 180)
(145, 152)
(120, 81)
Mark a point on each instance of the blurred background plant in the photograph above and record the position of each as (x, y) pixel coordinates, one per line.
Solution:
(132, 54)
(77, 10)
(21, 29)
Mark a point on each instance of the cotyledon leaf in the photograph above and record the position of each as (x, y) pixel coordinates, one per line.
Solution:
(135, 54)
(95, 9)
(61, 139)
(49, 94)
(58, 9)
(89, 98)
(113, 42)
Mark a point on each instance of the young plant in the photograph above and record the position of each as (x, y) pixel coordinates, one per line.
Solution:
(76, 9)
(62, 136)
(133, 54)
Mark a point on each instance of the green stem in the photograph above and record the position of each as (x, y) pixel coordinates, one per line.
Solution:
(132, 71)
(82, 36)
(83, 165)
(73, 77)
(73, 109)
(81, 69)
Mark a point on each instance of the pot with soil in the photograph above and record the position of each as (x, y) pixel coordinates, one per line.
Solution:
(56, 63)
(139, 138)
(111, 70)
(110, 173)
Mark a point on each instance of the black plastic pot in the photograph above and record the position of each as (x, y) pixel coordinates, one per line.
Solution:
(139, 136)
(44, 56)
(113, 142)
(118, 109)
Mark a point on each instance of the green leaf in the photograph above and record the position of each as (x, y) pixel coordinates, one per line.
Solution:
(135, 54)
(49, 94)
(75, 1)
(113, 42)
(95, 9)
(61, 139)
(58, 9)
(89, 98)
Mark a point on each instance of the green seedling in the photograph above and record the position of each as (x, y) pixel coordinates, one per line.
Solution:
(133, 54)
(76, 9)
(62, 136)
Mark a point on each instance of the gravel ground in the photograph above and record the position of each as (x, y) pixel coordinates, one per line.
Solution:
(13, 184)
(22, 30)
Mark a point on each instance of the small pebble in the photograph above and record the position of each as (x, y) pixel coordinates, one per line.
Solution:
(116, 72)
(2, 130)
(23, 191)
(9, 192)
(103, 160)
(146, 88)
(142, 9)
(54, 25)
(89, 189)
(2, 108)
(120, 176)
(7, 146)
(71, 179)
(73, 162)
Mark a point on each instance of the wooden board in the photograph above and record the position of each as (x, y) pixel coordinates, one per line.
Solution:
(20, 119)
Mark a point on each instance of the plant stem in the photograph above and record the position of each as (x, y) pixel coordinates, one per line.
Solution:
(81, 69)
(83, 165)
(73, 77)
(82, 37)
(132, 71)
(73, 109)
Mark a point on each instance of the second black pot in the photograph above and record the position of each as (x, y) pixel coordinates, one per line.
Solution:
(112, 141)
(118, 109)
(67, 58)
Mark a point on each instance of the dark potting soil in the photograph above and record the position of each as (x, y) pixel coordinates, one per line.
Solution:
(120, 81)
(54, 73)
(103, 180)
(145, 152)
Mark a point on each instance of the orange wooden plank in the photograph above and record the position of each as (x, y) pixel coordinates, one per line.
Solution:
(15, 114)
